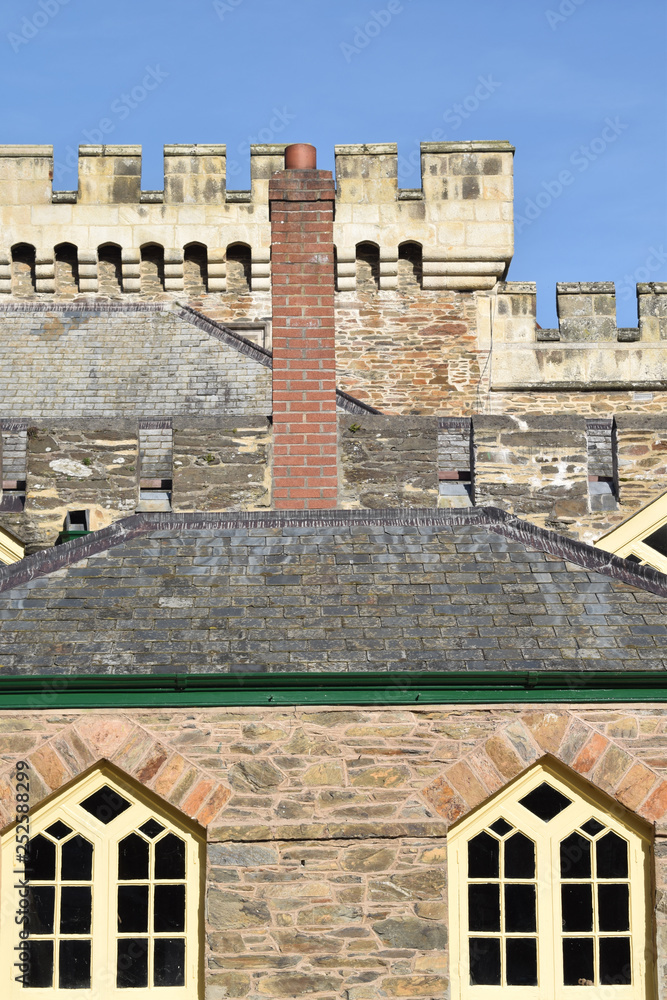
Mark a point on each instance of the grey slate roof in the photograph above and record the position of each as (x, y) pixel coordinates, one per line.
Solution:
(335, 591)
(119, 359)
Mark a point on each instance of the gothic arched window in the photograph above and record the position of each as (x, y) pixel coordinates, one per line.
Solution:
(113, 897)
(548, 894)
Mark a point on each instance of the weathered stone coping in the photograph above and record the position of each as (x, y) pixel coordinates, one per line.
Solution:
(499, 521)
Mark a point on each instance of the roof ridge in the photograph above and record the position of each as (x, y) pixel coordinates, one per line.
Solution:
(499, 521)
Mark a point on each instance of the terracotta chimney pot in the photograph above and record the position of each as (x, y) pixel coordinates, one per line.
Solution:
(300, 156)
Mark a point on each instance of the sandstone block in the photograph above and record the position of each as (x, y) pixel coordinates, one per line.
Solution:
(411, 932)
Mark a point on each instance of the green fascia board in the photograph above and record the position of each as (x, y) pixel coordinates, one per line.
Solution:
(372, 688)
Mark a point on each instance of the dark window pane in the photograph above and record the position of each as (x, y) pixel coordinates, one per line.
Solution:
(169, 910)
(58, 830)
(484, 961)
(575, 857)
(40, 914)
(615, 961)
(170, 857)
(578, 962)
(613, 908)
(519, 857)
(132, 908)
(75, 909)
(133, 857)
(151, 828)
(577, 903)
(484, 907)
(483, 857)
(77, 860)
(105, 804)
(132, 967)
(169, 969)
(501, 827)
(40, 970)
(612, 855)
(545, 802)
(41, 860)
(592, 827)
(520, 908)
(658, 540)
(74, 965)
(521, 969)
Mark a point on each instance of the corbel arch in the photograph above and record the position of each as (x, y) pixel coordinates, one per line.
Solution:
(114, 897)
(550, 888)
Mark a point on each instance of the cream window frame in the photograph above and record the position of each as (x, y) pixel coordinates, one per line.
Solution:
(105, 838)
(587, 803)
(627, 538)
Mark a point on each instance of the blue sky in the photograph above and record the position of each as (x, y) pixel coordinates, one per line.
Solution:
(578, 86)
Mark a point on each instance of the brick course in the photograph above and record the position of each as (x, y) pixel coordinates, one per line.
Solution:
(304, 364)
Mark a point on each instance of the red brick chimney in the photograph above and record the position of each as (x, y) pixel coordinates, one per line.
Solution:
(304, 363)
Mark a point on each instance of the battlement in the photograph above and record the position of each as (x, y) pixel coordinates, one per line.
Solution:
(461, 218)
(366, 174)
(587, 349)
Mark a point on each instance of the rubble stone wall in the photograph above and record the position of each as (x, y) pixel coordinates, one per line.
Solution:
(326, 828)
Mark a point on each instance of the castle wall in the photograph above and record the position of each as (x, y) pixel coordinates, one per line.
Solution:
(575, 475)
(79, 465)
(221, 464)
(462, 215)
(326, 828)
(387, 462)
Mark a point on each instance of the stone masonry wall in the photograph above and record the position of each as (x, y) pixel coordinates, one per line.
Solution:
(326, 828)
(388, 461)
(221, 464)
(537, 468)
(410, 352)
(79, 466)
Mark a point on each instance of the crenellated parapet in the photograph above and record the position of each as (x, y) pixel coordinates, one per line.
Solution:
(459, 222)
(587, 349)
(461, 217)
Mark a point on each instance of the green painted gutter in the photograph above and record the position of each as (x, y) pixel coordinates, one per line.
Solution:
(372, 688)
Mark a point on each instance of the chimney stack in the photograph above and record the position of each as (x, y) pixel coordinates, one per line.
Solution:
(304, 362)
